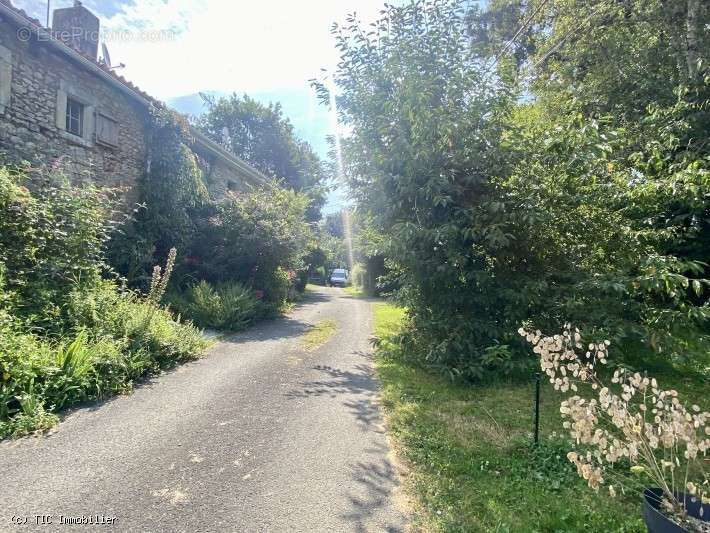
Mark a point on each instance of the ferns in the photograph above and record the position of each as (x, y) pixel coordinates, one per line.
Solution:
(229, 306)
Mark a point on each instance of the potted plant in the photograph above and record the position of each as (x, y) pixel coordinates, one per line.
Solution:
(630, 420)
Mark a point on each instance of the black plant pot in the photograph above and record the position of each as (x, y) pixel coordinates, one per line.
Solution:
(658, 522)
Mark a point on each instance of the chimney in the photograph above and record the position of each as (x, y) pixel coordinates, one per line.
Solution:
(78, 27)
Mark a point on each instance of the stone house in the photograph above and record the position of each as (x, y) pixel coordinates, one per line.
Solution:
(60, 105)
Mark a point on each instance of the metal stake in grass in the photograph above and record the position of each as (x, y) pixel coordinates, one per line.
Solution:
(537, 408)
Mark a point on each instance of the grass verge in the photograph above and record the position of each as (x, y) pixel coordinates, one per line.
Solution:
(318, 335)
(471, 465)
(356, 292)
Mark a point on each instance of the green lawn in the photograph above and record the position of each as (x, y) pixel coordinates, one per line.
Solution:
(472, 467)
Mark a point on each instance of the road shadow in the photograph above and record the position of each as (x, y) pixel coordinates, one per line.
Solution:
(358, 387)
(370, 356)
(369, 299)
(311, 297)
(271, 329)
(375, 481)
(360, 380)
(370, 501)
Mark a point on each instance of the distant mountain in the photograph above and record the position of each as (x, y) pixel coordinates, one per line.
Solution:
(191, 104)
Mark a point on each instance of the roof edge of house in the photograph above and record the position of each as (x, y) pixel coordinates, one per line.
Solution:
(205, 142)
(227, 157)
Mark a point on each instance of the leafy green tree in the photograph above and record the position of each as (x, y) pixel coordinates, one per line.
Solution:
(425, 139)
(620, 57)
(599, 227)
(499, 210)
(247, 237)
(333, 224)
(499, 31)
(608, 56)
(263, 137)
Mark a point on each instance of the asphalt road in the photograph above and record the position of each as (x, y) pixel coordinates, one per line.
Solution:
(260, 435)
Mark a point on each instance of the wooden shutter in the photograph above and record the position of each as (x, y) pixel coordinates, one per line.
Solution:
(106, 130)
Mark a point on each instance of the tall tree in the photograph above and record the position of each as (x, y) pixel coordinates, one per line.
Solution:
(263, 137)
(501, 202)
(615, 56)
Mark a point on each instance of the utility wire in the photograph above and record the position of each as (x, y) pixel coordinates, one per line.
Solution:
(520, 30)
(564, 38)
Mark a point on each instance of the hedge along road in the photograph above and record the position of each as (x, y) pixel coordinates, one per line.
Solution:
(260, 435)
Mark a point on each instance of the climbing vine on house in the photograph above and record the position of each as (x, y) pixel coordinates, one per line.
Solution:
(171, 195)
(250, 243)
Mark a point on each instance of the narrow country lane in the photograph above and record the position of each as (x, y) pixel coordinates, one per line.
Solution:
(260, 435)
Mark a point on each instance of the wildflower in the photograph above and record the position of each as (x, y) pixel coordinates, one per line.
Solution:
(670, 437)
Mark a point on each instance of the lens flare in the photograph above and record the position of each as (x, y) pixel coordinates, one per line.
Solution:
(348, 232)
(335, 128)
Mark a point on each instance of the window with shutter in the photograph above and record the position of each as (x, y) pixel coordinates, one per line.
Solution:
(106, 130)
(75, 117)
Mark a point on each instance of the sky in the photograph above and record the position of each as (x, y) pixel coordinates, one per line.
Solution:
(269, 49)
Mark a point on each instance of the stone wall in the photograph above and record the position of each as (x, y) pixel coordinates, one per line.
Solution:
(218, 177)
(37, 81)
(32, 122)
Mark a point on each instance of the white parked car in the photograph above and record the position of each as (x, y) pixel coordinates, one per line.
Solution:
(339, 278)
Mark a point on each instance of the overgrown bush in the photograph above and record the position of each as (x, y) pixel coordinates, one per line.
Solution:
(277, 287)
(301, 280)
(228, 306)
(257, 239)
(244, 237)
(122, 339)
(66, 334)
(149, 333)
(52, 236)
(497, 210)
(248, 236)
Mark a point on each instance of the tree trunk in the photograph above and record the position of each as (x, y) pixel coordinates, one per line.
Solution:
(674, 23)
(691, 55)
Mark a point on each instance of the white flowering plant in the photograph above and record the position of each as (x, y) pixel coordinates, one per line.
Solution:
(631, 421)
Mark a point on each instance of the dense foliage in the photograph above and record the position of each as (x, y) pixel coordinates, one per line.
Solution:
(611, 56)
(250, 235)
(66, 334)
(171, 195)
(256, 238)
(263, 137)
(230, 307)
(506, 199)
(51, 238)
